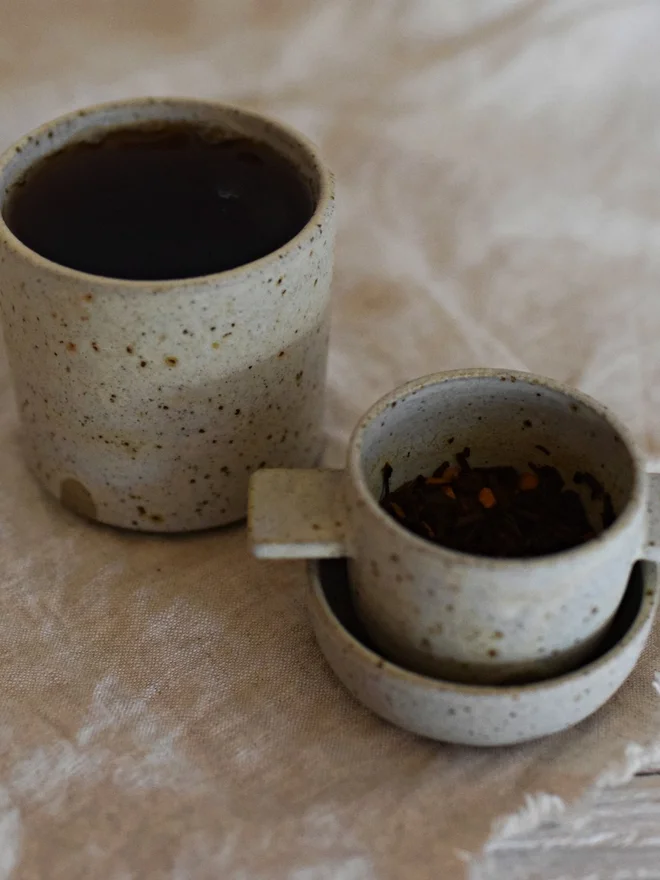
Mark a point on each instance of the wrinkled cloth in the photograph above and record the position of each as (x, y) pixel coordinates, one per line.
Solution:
(165, 711)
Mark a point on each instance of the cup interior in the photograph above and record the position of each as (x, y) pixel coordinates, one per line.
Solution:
(225, 121)
(504, 419)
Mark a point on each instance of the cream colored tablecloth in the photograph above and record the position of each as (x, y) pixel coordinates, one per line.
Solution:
(164, 711)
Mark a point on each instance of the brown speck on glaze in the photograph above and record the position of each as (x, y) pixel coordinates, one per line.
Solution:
(96, 346)
(215, 345)
(88, 297)
(71, 346)
(171, 361)
(76, 496)
(129, 349)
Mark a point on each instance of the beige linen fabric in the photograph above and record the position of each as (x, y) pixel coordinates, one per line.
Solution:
(164, 710)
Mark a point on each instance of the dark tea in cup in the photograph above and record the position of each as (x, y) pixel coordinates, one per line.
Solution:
(159, 201)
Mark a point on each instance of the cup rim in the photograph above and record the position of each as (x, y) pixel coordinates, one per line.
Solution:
(490, 563)
(94, 111)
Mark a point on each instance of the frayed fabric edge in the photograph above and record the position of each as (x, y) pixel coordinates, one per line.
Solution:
(545, 809)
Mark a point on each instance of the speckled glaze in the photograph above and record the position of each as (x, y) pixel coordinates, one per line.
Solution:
(147, 405)
(446, 613)
(469, 714)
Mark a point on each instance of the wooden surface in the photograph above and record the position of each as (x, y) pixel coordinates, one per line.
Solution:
(618, 838)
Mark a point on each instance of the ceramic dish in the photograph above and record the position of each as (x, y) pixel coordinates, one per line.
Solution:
(458, 615)
(472, 714)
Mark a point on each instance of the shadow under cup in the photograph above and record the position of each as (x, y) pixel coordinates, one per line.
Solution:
(148, 404)
(440, 611)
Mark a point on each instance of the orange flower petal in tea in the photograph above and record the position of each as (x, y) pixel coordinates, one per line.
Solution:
(399, 512)
(487, 498)
(429, 531)
(528, 481)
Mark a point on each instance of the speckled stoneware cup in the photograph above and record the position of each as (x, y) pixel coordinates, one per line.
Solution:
(447, 613)
(146, 405)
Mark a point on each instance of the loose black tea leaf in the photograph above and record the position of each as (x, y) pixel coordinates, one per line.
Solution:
(148, 202)
(387, 473)
(496, 511)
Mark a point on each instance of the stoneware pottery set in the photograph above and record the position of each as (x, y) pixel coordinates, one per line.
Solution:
(150, 405)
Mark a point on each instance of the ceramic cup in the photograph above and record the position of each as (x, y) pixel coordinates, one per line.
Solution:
(447, 613)
(147, 405)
